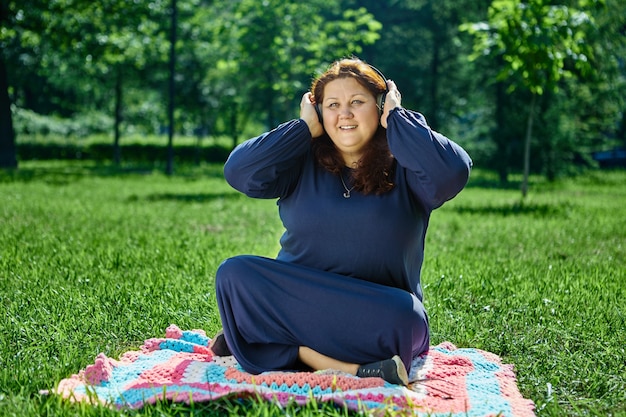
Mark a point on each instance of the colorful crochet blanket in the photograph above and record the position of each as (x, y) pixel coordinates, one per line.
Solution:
(180, 367)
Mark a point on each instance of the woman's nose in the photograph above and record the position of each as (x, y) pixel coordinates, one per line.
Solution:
(345, 112)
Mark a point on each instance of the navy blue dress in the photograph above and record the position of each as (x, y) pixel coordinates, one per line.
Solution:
(346, 282)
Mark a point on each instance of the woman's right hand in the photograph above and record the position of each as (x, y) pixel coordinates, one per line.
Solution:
(309, 115)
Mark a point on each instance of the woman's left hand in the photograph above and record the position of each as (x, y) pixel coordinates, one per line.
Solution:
(392, 100)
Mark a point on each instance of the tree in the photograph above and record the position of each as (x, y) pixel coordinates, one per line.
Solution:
(8, 157)
(279, 43)
(539, 44)
(609, 82)
(114, 39)
(14, 36)
(420, 47)
(80, 49)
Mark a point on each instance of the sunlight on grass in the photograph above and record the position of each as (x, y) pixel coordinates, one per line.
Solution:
(97, 259)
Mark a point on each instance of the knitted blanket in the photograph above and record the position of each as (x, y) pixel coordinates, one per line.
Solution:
(180, 367)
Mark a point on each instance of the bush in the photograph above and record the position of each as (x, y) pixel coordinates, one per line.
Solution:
(27, 122)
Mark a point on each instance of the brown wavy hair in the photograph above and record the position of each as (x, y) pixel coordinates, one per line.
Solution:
(374, 172)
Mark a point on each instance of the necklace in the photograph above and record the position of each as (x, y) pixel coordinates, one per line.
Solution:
(345, 187)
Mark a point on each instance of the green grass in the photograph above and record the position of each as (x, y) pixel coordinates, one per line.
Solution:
(97, 259)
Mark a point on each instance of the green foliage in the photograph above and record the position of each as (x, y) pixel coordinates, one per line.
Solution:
(243, 65)
(536, 40)
(277, 46)
(540, 47)
(97, 259)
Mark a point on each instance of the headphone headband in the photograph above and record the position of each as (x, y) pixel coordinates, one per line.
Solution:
(380, 100)
(380, 74)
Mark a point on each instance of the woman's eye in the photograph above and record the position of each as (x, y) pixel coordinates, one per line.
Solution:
(332, 105)
(357, 102)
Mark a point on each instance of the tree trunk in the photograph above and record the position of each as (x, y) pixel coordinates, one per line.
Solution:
(529, 132)
(117, 154)
(621, 134)
(233, 123)
(169, 169)
(8, 152)
(502, 142)
(271, 113)
(433, 117)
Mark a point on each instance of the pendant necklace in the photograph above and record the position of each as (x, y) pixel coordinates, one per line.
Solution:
(346, 194)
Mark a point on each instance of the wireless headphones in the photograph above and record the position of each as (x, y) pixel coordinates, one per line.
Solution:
(380, 100)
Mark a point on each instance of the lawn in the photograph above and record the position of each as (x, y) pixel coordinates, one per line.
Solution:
(97, 259)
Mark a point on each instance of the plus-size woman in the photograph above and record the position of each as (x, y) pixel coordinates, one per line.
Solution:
(356, 178)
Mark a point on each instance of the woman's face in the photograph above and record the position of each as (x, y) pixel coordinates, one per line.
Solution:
(350, 117)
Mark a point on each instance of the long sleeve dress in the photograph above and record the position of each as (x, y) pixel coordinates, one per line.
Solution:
(346, 281)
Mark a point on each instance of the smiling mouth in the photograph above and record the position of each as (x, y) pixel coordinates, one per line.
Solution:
(347, 127)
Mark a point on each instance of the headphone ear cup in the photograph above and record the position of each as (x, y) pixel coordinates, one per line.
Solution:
(380, 102)
(318, 110)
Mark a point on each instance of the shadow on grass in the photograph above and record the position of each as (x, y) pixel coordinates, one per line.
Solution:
(518, 208)
(103, 152)
(64, 173)
(481, 181)
(187, 198)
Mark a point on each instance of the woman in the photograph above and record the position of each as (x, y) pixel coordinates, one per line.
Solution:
(356, 182)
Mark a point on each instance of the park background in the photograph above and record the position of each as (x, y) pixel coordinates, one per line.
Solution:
(495, 76)
(112, 223)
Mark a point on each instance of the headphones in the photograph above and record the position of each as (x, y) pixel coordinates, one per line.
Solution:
(380, 100)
